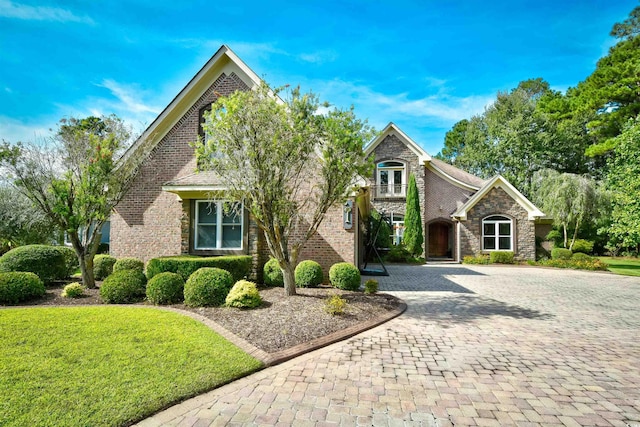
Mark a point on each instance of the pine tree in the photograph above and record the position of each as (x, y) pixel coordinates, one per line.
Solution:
(413, 237)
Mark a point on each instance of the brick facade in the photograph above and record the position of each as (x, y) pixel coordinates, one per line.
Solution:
(498, 202)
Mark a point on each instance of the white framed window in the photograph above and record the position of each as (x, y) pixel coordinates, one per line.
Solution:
(497, 233)
(392, 181)
(397, 224)
(218, 225)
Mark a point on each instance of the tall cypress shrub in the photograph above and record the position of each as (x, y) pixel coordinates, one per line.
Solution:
(413, 237)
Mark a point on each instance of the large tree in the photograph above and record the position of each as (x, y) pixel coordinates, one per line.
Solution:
(623, 181)
(286, 161)
(573, 201)
(73, 179)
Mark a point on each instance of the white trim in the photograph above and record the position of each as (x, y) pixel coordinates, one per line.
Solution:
(391, 184)
(180, 188)
(499, 181)
(458, 241)
(392, 129)
(442, 174)
(219, 226)
(496, 235)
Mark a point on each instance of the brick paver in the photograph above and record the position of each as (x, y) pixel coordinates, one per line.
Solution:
(478, 346)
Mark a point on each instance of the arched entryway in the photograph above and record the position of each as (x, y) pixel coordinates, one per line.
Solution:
(440, 240)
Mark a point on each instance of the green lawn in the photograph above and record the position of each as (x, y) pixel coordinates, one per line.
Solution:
(624, 266)
(106, 366)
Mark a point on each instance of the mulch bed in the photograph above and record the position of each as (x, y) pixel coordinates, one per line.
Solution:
(280, 323)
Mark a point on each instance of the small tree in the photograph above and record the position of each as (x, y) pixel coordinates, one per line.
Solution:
(572, 200)
(413, 237)
(72, 178)
(288, 163)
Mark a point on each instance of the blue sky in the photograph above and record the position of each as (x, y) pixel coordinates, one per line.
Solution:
(421, 64)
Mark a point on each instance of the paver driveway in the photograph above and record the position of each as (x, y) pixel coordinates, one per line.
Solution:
(477, 346)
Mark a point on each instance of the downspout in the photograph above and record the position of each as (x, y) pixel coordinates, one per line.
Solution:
(458, 240)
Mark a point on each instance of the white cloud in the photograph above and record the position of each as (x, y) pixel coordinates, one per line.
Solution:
(9, 9)
(14, 130)
(319, 57)
(129, 97)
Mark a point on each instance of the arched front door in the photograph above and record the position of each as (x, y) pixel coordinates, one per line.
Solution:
(440, 240)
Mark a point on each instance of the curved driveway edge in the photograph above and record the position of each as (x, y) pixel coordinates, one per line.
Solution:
(477, 346)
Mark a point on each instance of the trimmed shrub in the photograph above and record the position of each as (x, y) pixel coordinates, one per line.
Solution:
(272, 274)
(344, 275)
(124, 287)
(70, 258)
(561, 253)
(309, 274)
(371, 286)
(475, 259)
(47, 262)
(499, 257)
(593, 264)
(185, 266)
(165, 288)
(335, 305)
(128, 264)
(398, 253)
(19, 286)
(583, 246)
(207, 286)
(244, 294)
(103, 266)
(73, 290)
(579, 256)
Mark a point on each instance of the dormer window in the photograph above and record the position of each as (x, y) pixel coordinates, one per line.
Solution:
(392, 181)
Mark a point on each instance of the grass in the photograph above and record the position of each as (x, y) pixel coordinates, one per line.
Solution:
(106, 366)
(623, 266)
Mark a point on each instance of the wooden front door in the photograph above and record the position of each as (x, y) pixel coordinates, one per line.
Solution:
(439, 240)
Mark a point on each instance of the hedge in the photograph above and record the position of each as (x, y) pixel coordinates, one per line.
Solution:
(561, 253)
(498, 257)
(129, 263)
(49, 263)
(17, 286)
(185, 266)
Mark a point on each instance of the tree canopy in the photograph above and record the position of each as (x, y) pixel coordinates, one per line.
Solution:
(286, 161)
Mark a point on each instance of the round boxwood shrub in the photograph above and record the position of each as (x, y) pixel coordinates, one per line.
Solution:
(103, 266)
(344, 275)
(165, 288)
(561, 253)
(19, 286)
(71, 260)
(579, 256)
(207, 286)
(128, 264)
(244, 294)
(73, 290)
(124, 287)
(272, 274)
(308, 274)
(47, 262)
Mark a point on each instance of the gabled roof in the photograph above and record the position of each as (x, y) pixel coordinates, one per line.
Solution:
(499, 181)
(454, 175)
(223, 61)
(392, 129)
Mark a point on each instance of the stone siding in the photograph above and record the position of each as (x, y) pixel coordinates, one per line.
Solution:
(498, 202)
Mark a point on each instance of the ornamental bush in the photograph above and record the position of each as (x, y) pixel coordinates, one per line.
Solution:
(371, 286)
(19, 286)
(344, 275)
(335, 305)
(272, 274)
(103, 266)
(47, 262)
(244, 294)
(165, 288)
(478, 258)
(185, 266)
(583, 246)
(561, 253)
(124, 287)
(70, 258)
(73, 290)
(128, 264)
(579, 256)
(207, 286)
(500, 257)
(309, 274)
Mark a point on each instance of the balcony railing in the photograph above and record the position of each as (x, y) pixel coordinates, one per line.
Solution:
(390, 191)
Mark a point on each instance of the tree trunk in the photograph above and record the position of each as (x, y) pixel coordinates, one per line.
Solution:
(288, 273)
(564, 228)
(86, 267)
(575, 235)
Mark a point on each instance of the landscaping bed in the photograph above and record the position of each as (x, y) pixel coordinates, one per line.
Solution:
(280, 323)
